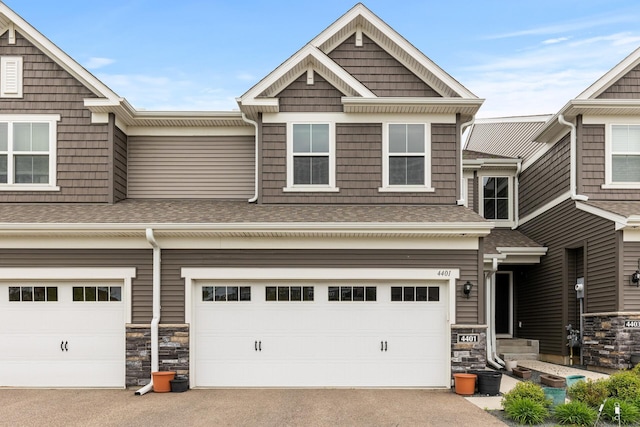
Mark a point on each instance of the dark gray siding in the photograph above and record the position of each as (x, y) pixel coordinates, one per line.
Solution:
(174, 260)
(141, 259)
(120, 165)
(381, 73)
(321, 96)
(631, 264)
(359, 167)
(627, 87)
(83, 148)
(546, 179)
(542, 294)
(592, 167)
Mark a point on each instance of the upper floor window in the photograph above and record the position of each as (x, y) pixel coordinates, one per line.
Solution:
(28, 152)
(625, 154)
(495, 197)
(407, 160)
(310, 157)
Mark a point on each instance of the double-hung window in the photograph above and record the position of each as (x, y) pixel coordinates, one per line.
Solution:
(311, 157)
(625, 155)
(407, 161)
(28, 152)
(495, 197)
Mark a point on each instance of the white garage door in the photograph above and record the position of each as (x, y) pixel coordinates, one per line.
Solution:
(62, 334)
(321, 335)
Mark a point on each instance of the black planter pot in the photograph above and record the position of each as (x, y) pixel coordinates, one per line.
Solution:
(488, 382)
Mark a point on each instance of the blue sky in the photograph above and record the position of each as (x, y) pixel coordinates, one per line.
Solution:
(523, 57)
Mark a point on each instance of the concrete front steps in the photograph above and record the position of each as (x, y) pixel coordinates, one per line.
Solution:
(517, 349)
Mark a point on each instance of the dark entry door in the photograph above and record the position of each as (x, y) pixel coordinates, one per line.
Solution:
(503, 303)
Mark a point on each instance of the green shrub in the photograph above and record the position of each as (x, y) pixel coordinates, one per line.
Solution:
(590, 392)
(629, 413)
(526, 390)
(526, 411)
(624, 385)
(575, 413)
(636, 370)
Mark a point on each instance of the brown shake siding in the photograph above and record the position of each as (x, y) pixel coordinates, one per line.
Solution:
(378, 71)
(631, 294)
(83, 148)
(321, 96)
(546, 179)
(542, 297)
(627, 87)
(141, 259)
(174, 260)
(359, 167)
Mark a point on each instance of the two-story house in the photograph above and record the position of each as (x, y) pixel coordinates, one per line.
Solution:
(316, 237)
(578, 194)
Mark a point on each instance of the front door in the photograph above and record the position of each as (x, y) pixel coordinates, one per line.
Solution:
(503, 304)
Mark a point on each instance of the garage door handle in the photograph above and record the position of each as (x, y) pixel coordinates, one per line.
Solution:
(61, 345)
(259, 345)
(66, 343)
(255, 345)
(385, 346)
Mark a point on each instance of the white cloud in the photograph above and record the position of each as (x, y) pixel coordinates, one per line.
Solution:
(247, 77)
(556, 40)
(95, 63)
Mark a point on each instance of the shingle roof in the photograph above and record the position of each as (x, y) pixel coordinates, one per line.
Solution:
(507, 238)
(508, 136)
(622, 208)
(221, 212)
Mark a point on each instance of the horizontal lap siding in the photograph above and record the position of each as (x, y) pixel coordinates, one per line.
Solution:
(318, 97)
(378, 71)
(592, 165)
(540, 288)
(627, 87)
(546, 179)
(174, 260)
(359, 167)
(141, 259)
(213, 167)
(83, 149)
(631, 264)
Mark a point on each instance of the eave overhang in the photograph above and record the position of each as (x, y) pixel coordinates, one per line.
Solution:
(409, 105)
(515, 255)
(476, 164)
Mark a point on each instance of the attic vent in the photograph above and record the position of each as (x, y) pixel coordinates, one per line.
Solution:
(310, 76)
(358, 36)
(11, 77)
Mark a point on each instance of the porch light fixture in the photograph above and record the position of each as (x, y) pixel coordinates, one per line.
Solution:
(466, 288)
(635, 278)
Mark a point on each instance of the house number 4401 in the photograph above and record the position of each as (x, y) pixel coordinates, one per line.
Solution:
(444, 273)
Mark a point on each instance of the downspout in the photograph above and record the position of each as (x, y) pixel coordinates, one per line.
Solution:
(574, 173)
(492, 357)
(155, 321)
(516, 189)
(255, 188)
(461, 200)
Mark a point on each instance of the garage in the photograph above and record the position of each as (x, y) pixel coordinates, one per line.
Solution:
(301, 332)
(63, 333)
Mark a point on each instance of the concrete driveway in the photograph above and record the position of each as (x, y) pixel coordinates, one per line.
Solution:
(240, 407)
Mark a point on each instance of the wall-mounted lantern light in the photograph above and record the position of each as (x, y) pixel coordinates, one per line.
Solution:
(466, 288)
(635, 278)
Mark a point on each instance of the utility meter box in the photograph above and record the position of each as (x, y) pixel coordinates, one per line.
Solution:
(580, 288)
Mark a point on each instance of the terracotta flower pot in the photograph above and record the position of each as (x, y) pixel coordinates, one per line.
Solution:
(161, 381)
(465, 383)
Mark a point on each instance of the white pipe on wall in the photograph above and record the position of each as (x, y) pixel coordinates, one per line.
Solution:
(461, 200)
(155, 320)
(255, 188)
(573, 160)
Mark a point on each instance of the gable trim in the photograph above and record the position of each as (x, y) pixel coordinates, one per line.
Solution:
(612, 76)
(544, 208)
(619, 220)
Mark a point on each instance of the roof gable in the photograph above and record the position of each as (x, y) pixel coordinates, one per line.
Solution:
(612, 76)
(316, 55)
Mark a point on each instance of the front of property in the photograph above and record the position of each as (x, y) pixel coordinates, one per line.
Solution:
(315, 238)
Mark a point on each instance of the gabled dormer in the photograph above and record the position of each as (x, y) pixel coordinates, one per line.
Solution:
(359, 115)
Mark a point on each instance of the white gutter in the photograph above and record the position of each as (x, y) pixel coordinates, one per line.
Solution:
(461, 200)
(574, 173)
(516, 187)
(492, 357)
(155, 321)
(255, 188)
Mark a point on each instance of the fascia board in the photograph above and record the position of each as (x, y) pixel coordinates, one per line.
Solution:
(611, 76)
(394, 37)
(619, 220)
(58, 55)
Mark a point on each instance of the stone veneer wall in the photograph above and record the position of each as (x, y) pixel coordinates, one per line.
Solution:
(173, 352)
(465, 356)
(606, 343)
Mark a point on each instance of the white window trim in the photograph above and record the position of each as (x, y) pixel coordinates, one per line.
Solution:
(500, 222)
(609, 184)
(331, 187)
(385, 161)
(52, 120)
(4, 90)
